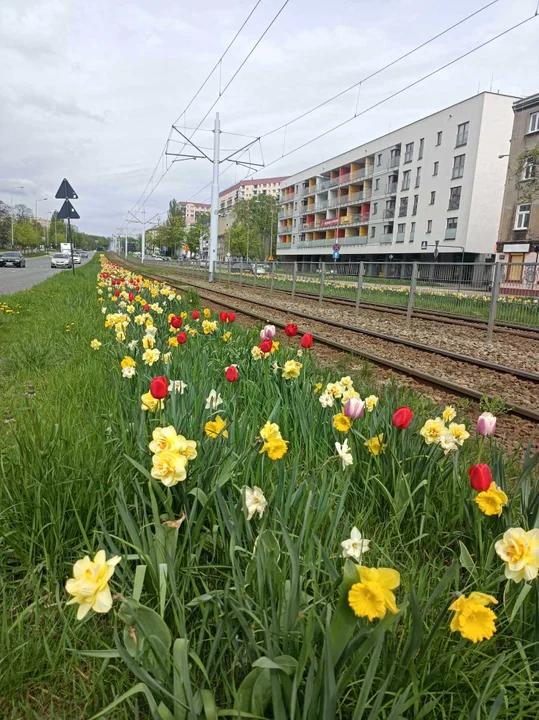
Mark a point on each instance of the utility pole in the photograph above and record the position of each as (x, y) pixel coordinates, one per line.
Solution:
(143, 248)
(214, 217)
(37, 224)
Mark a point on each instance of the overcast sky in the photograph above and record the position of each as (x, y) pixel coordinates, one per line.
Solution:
(90, 89)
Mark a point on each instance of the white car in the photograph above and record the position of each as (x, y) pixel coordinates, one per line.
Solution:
(59, 260)
(77, 258)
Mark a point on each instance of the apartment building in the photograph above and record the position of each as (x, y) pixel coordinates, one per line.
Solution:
(431, 188)
(192, 211)
(518, 239)
(247, 189)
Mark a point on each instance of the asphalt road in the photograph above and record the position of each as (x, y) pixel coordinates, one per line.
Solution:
(37, 269)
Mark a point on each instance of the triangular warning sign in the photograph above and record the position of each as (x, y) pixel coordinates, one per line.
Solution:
(68, 211)
(65, 191)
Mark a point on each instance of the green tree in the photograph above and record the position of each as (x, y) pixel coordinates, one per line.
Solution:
(258, 219)
(57, 231)
(24, 234)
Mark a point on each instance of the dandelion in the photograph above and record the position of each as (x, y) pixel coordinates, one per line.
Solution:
(355, 545)
(95, 344)
(491, 501)
(376, 445)
(214, 428)
(472, 618)
(342, 423)
(213, 400)
(343, 451)
(519, 549)
(89, 585)
(255, 502)
(372, 597)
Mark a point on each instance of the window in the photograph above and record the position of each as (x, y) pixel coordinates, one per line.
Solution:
(523, 217)
(412, 232)
(534, 123)
(409, 153)
(462, 134)
(458, 167)
(432, 197)
(439, 138)
(417, 177)
(435, 168)
(377, 184)
(295, 206)
(454, 198)
(414, 206)
(374, 208)
(379, 160)
(429, 226)
(403, 208)
(395, 157)
(452, 223)
(421, 145)
(401, 229)
(406, 180)
(373, 231)
(528, 172)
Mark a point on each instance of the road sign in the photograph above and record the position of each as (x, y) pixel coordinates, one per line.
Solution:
(336, 255)
(66, 192)
(424, 244)
(68, 212)
(336, 248)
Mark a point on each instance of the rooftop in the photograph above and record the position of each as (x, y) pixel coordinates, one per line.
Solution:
(526, 102)
(254, 181)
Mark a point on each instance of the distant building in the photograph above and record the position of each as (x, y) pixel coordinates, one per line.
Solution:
(248, 189)
(435, 183)
(518, 239)
(192, 211)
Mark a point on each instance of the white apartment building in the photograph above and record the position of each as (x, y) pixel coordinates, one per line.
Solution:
(435, 183)
(247, 189)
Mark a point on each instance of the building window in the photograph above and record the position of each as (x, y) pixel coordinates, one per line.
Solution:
(373, 231)
(377, 184)
(395, 157)
(523, 216)
(462, 134)
(417, 177)
(401, 229)
(421, 145)
(406, 180)
(528, 172)
(435, 168)
(458, 167)
(454, 198)
(379, 160)
(295, 205)
(409, 152)
(294, 222)
(439, 138)
(429, 226)
(412, 232)
(452, 223)
(374, 208)
(432, 197)
(414, 206)
(534, 123)
(403, 208)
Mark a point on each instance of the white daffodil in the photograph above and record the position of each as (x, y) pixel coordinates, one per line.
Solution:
(128, 372)
(132, 344)
(255, 502)
(326, 399)
(151, 331)
(355, 546)
(104, 310)
(177, 386)
(344, 453)
(213, 400)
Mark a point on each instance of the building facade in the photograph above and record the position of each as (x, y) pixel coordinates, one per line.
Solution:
(247, 189)
(518, 240)
(433, 187)
(192, 211)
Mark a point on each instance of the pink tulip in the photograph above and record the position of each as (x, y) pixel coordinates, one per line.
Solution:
(268, 332)
(486, 424)
(354, 408)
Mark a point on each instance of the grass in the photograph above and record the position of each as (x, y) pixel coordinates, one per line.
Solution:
(225, 613)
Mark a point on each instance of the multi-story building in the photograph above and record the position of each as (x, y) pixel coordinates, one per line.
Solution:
(518, 240)
(247, 189)
(192, 211)
(433, 187)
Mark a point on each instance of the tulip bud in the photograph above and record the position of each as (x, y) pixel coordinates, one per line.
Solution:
(354, 408)
(306, 341)
(231, 317)
(266, 345)
(181, 338)
(131, 297)
(117, 293)
(267, 332)
(480, 477)
(176, 322)
(291, 330)
(195, 314)
(402, 417)
(223, 316)
(486, 424)
(146, 307)
(231, 373)
(159, 388)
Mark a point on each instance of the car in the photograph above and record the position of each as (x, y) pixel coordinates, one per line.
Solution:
(77, 258)
(83, 253)
(59, 260)
(237, 268)
(256, 269)
(13, 258)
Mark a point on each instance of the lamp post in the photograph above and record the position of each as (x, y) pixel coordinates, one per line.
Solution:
(37, 237)
(21, 187)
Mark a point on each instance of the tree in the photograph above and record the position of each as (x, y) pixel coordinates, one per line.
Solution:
(256, 226)
(57, 231)
(24, 234)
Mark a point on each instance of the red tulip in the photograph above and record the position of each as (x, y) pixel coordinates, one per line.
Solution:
(402, 417)
(223, 316)
(137, 288)
(131, 297)
(117, 293)
(195, 314)
(480, 477)
(176, 322)
(306, 341)
(146, 307)
(291, 330)
(266, 345)
(159, 387)
(232, 374)
(181, 338)
(231, 317)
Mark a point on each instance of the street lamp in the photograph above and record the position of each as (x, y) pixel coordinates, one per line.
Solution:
(21, 187)
(38, 201)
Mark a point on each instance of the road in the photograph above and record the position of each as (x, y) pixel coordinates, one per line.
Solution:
(37, 269)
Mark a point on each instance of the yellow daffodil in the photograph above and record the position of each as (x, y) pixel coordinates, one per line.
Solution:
(227, 336)
(317, 388)
(150, 403)
(214, 428)
(519, 549)
(257, 353)
(183, 314)
(334, 389)
(291, 369)
(472, 618)
(169, 467)
(95, 344)
(372, 596)
(270, 431)
(206, 312)
(449, 414)
(128, 362)
(89, 585)
(148, 342)
(375, 444)
(209, 326)
(173, 342)
(371, 402)
(459, 432)
(433, 430)
(346, 381)
(165, 439)
(166, 358)
(192, 331)
(275, 346)
(151, 356)
(342, 423)
(491, 501)
(275, 448)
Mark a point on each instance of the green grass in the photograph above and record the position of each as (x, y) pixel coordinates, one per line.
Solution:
(228, 602)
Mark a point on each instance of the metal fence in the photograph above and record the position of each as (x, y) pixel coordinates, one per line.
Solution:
(493, 293)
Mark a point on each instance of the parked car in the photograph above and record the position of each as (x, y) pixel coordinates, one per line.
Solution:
(59, 260)
(257, 269)
(236, 268)
(77, 258)
(13, 258)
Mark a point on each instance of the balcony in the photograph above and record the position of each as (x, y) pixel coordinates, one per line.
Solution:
(283, 244)
(394, 161)
(357, 174)
(386, 239)
(391, 189)
(400, 237)
(450, 233)
(388, 214)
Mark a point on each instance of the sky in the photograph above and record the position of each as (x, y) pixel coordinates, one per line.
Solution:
(90, 90)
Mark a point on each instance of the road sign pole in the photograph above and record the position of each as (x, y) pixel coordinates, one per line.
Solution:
(70, 244)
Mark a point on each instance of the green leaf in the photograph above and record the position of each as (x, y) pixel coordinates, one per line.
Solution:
(520, 599)
(286, 663)
(466, 559)
(135, 690)
(343, 622)
(200, 495)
